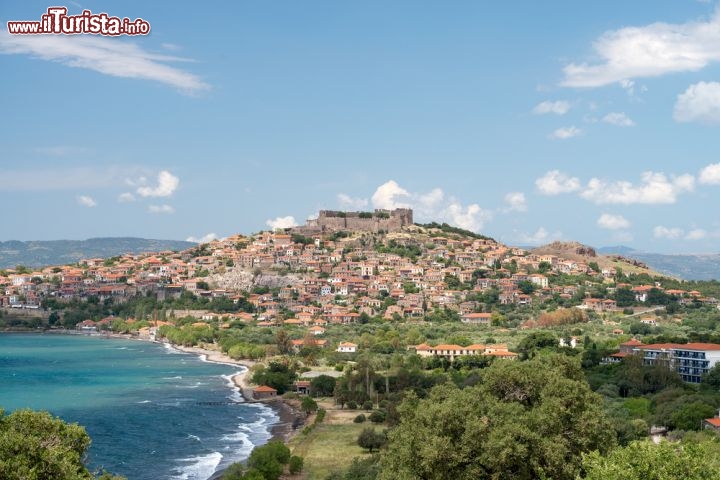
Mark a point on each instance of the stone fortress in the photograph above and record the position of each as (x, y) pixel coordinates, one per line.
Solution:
(379, 220)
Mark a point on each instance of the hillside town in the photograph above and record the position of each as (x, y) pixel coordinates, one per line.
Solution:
(334, 276)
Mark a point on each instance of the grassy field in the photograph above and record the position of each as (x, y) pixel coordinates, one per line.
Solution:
(330, 446)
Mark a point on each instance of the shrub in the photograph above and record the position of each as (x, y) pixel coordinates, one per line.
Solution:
(371, 439)
(360, 418)
(368, 405)
(352, 405)
(296, 465)
(378, 416)
(320, 415)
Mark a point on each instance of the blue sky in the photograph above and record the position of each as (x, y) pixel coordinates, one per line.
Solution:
(526, 121)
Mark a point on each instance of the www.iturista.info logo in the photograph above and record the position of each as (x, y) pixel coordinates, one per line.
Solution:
(57, 22)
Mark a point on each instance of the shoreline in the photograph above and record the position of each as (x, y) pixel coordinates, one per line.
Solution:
(290, 419)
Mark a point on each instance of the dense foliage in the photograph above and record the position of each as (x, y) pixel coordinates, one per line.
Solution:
(525, 420)
(38, 446)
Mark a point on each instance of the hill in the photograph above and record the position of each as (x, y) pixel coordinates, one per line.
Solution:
(578, 252)
(61, 252)
(686, 266)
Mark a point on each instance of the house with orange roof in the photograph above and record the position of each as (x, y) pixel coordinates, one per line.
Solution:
(347, 347)
(476, 318)
(264, 392)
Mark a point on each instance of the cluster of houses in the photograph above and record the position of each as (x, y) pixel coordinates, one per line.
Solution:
(334, 281)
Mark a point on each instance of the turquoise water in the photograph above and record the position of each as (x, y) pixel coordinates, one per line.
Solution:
(144, 405)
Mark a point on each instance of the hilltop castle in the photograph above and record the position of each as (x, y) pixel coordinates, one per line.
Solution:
(379, 220)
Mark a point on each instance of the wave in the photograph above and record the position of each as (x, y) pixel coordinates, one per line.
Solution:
(198, 468)
(144, 401)
(173, 378)
(170, 349)
(194, 437)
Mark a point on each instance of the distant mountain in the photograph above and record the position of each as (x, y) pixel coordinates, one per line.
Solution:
(617, 250)
(61, 252)
(685, 266)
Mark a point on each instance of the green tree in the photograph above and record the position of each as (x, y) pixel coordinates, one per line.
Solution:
(322, 386)
(644, 460)
(308, 405)
(526, 287)
(38, 446)
(269, 459)
(691, 415)
(371, 439)
(525, 420)
(296, 465)
(711, 380)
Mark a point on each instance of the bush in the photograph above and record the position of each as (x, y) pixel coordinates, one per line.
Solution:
(296, 465)
(359, 419)
(378, 416)
(320, 415)
(371, 439)
(352, 405)
(368, 405)
(308, 405)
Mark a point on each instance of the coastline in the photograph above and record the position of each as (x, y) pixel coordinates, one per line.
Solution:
(290, 419)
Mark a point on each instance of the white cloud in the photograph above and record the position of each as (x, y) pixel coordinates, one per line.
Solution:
(346, 201)
(86, 201)
(282, 222)
(699, 103)
(516, 202)
(655, 188)
(204, 239)
(431, 206)
(565, 132)
(167, 184)
(612, 222)
(165, 209)
(388, 194)
(710, 175)
(126, 197)
(559, 107)
(540, 236)
(668, 233)
(109, 56)
(696, 234)
(618, 119)
(648, 51)
(470, 217)
(555, 182)
(432, 199)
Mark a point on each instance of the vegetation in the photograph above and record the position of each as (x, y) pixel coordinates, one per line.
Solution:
(266, 462)
(38, 446)
(526, 420)
(643, 460)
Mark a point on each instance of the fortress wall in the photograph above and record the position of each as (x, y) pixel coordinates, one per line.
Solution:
(335, 220)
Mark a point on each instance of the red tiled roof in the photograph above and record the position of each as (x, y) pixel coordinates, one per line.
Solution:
(715, 422)
(264, 389)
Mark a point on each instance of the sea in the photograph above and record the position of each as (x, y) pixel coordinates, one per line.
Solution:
(152, 412)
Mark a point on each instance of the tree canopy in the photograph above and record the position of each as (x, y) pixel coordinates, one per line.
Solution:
(643, 460)
(525, 420)
(38, 446)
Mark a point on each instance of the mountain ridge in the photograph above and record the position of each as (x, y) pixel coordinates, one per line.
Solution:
(40, 253)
